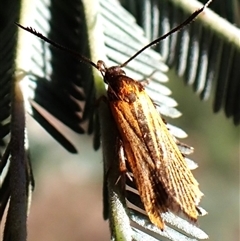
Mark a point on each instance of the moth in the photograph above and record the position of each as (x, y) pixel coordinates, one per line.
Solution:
(163, 179)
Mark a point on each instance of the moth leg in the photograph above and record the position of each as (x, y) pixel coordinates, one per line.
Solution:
(184, 148)
(146, 79)
(105, 196)
(144, 82)
(122, 164)
(100, 99)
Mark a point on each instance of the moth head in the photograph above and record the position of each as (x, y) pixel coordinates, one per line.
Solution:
(111, 74)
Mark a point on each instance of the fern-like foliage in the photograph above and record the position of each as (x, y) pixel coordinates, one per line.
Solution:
(206, 54)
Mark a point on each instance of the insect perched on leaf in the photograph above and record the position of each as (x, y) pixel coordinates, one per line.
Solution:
(163, 179)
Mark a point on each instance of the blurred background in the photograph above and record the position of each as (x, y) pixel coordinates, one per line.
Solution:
(67, 201)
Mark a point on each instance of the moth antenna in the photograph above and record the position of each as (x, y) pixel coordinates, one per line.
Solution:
(179, 27)
(58, 46)
(86, 60)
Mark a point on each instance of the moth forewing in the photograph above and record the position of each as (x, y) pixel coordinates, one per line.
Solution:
(162, 177)
(177, 178)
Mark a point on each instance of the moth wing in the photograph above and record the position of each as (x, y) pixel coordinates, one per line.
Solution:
(170, 166)
(152, 194)
(181, 186)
